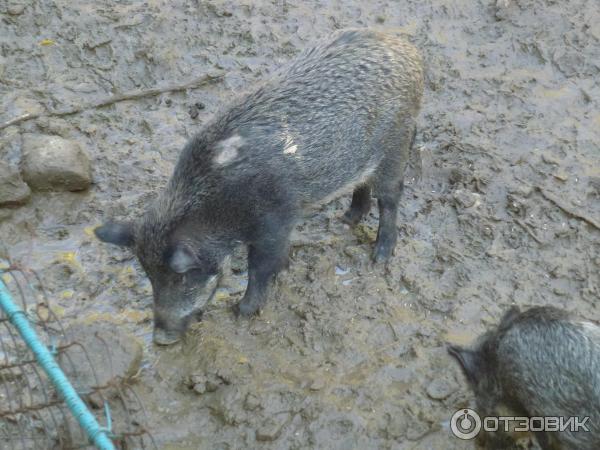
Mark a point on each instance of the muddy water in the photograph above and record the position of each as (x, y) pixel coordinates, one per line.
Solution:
(345, 355)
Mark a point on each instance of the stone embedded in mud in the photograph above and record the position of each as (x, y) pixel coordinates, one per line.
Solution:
(15, 8)
(54, 163)
(252, 402)
(198, 383)
(317, 385)
(208, 382)
(466, 199)
(440, 389)
(354, 252)
(13, 190)
(271, 428)
(113, 354)
(502, 9)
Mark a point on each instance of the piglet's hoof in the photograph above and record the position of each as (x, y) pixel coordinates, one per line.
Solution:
(246, 309)
(382, 252)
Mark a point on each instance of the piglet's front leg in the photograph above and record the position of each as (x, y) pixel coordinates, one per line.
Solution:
(266, 257)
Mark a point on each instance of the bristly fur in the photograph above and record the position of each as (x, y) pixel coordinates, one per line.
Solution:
(332, 100)
(341, 116)
(541, 362)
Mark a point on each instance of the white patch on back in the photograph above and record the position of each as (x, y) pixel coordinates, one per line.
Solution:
(227, 150)
(590, 327)
(289, 147)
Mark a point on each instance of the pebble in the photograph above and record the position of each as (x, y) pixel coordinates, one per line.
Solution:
(202, 383)
(54, 163)
(341, 271)
(199, 384)
(466, 199)
(193, 112)
(13, 190)
(252, 402)
(317, 385)
(271, 428)
(101, 341)
(15, 9)
(440, 389)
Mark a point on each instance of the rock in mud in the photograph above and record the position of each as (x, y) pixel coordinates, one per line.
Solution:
(271, 428)
(54, 163)
(15, 8)
(440, 389)
(110, 355)
(210, 382)
(466, 199)
(13, 190)
(15, 106)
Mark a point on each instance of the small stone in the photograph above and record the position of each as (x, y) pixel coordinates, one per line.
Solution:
(353, 251)
(13, 190)
(193, 112)
(271, 428)
(440, 389)
(252, 402)
(466, 199)
(200, 388)
(521, 190)
(317, 385)
(101, 341)
(199, 105)
(15, 9)
(561, 175)
(550, 159)
(54, 163)
(198, 383)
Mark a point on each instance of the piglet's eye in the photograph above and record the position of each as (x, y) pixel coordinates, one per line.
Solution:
(182, 259)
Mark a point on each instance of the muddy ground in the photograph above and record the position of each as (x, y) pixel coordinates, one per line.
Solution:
(345, 355)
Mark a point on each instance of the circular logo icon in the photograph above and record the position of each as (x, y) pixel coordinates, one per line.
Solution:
(465, 424)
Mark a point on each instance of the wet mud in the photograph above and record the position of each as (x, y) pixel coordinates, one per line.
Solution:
(345, 354)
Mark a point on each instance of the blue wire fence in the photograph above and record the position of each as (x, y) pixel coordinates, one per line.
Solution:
(39, 406)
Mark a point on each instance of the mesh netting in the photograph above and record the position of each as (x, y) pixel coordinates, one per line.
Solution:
(32, 414)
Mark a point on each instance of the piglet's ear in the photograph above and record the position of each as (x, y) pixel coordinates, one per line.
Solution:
(116, 233)
(181, 258)
(509, 317)
(469, 360)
